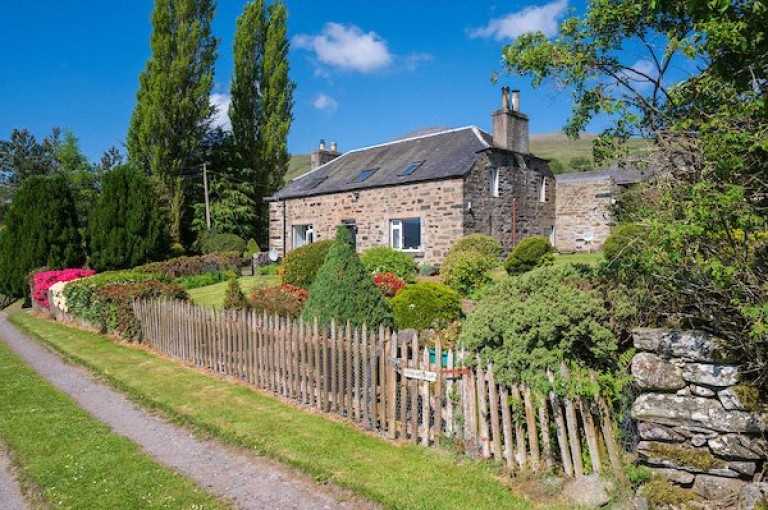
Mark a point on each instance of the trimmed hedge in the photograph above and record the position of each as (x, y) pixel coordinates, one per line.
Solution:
(426, 305)
(383, 259)
(301, 265)
(190, 266)
(204, 279)
(481, 243)
(114, 304)
(530, 253)
(344, 290)
(467, 271)
(222, 243)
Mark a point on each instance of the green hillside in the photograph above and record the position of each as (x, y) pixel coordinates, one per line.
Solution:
(566, 155)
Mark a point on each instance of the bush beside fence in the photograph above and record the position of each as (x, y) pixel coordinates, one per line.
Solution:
(386, 382)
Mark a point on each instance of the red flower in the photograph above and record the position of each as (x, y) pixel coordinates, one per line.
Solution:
(388, 283)
(44, 281)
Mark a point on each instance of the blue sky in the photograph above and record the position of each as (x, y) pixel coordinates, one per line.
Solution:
(366, 72)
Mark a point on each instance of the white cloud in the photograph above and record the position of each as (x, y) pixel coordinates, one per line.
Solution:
(413, 60)
(220, 103)
(643, 68)
(325, 102)
(542, 18)
(347, 47)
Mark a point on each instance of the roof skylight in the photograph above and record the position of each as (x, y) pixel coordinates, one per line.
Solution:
(363, 175)
(315, 182)
(412, 167)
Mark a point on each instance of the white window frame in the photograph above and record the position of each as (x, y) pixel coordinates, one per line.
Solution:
(396, 225)
(301, 238)
(543, 190)
(493, 182)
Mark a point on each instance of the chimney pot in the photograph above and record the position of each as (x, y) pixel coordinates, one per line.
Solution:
(334, 147)
(322, 145)
(505, 98)
(516, 100)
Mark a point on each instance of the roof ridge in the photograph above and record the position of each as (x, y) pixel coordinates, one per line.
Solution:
(473, 128)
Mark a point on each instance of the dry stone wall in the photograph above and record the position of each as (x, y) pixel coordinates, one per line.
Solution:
(699, 426)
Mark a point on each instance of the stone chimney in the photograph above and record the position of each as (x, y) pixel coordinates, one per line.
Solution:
(322, 155)
(510, 126)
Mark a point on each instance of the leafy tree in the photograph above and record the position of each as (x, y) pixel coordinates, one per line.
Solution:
(173, 111)
(41, 231)
(22, 157)
(83, 177)
(127, 227)
(344, 290)
(262, 100)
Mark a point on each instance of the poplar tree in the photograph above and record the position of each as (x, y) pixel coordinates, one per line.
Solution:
(262, 100)
(173, 110)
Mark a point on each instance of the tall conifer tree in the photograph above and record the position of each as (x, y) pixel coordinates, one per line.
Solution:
(173, 110)
(262, 100)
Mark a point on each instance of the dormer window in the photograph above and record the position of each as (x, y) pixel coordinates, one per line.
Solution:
(494, 182)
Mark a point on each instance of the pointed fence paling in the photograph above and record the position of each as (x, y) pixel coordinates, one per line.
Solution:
(390, 383)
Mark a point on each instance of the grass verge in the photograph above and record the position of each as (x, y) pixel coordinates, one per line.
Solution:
(213, 295)
(402, 477)
(70, 460)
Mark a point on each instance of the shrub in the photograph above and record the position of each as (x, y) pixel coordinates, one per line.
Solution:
(222, 243)
(204, 279)
(41, 229)
(623, 238)
(530, 253)
(429, 269)
(388, 284)
(383, 259)
(191, 266)
(467, 271)
(301, 265)
(126, 227)
(114, 304)
(268, 270)
(481, 243)
(425, 305)
(533, 322)
(344, 289)
(79, 294)
(283, 300)
(251, 248)
(44, 280)
(234, 297)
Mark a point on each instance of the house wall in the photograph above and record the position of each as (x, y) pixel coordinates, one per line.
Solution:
(583, 206)
(439, 204)
(517, 212)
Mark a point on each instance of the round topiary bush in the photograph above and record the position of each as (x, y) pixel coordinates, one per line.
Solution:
(622, 238)
(383, 259)
(301, 265)
(532, 323)
(467, 271)
(530, 253)
(425, 305)
(482, 243)
(222, 243)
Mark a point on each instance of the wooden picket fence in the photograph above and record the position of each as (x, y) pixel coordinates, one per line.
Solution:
(391, 383)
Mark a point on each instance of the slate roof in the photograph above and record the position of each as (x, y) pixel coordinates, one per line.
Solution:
(446, 154)
(622, 175)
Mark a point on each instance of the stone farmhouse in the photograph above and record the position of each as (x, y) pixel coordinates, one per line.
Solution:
(420, 194)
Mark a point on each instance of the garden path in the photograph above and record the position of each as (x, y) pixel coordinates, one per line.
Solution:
(247, 481)
(10, 495)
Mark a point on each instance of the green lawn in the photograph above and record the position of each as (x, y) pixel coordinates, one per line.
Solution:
(213, 295)
(402, 477)
(70, 460)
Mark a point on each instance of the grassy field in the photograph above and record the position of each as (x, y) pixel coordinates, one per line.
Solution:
(213, 295)
(402, 477)
(66, 459)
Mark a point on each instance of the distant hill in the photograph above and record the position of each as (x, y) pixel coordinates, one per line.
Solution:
(565, 155)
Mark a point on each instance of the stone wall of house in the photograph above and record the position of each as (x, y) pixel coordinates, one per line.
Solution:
(581, 207)
(439, 204)
(519, 211)
(698, 426)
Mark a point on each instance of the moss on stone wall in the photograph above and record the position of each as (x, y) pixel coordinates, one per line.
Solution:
(660, 493)
(699, 459)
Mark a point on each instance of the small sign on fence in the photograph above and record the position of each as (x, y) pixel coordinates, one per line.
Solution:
(422, 375)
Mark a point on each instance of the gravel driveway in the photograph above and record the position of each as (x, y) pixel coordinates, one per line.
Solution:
(250, 482)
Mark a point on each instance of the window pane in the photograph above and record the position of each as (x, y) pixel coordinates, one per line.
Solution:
(412, 234)
(396, 235)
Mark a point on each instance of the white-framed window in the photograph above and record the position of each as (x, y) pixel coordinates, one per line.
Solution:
(405, 234)
(303, 234)
(493, 180)
(543, 190)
